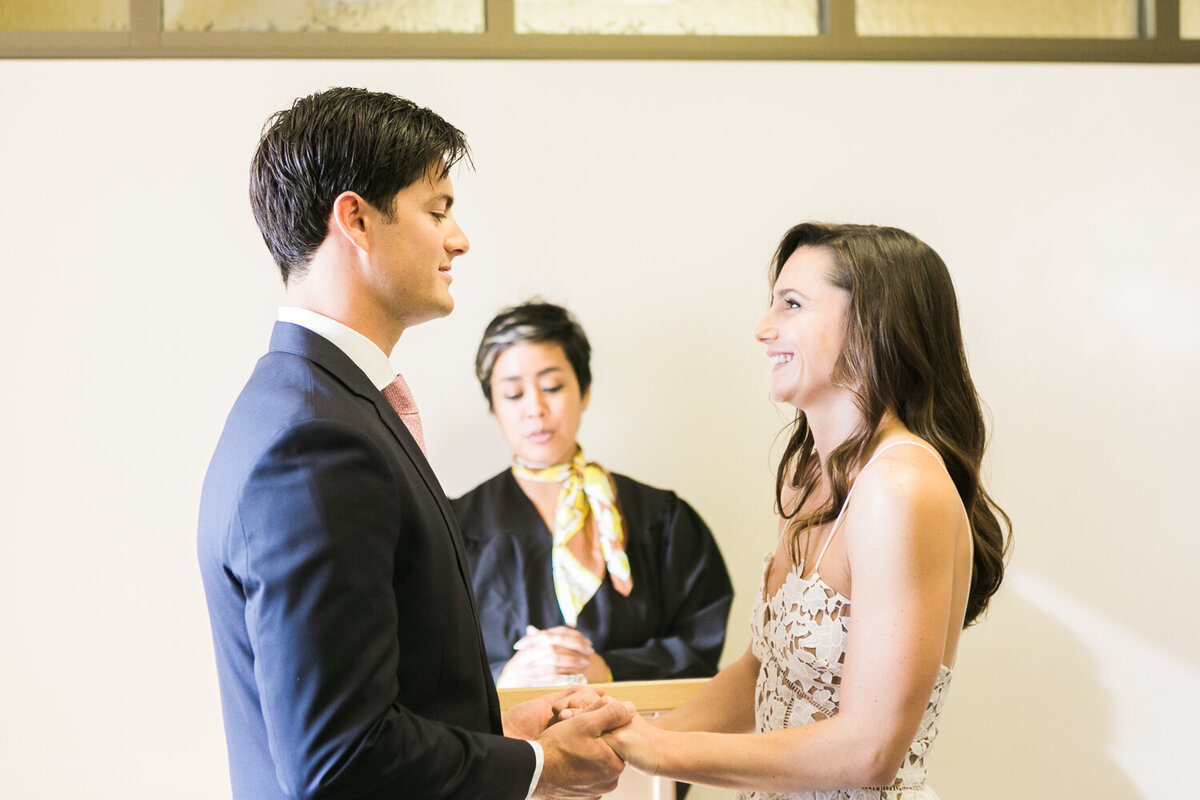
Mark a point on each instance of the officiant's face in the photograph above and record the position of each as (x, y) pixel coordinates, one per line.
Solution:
(537, 402)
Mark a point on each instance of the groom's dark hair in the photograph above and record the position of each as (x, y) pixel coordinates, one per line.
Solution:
(339, 140)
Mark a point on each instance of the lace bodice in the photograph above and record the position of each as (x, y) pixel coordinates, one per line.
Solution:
(799, 637)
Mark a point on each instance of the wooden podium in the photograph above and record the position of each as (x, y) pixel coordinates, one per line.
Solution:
(651, 698)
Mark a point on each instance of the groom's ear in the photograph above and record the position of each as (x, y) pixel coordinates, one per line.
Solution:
(348, 219)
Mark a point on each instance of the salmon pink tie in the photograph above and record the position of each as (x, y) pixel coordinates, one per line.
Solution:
(400, 397)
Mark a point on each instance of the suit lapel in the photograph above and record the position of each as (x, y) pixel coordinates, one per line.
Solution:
(298, 340)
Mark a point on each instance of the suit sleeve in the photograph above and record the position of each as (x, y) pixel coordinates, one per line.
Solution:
(695, 599)
(321, 521)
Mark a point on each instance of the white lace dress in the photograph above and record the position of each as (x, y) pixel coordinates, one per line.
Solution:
(799, 636)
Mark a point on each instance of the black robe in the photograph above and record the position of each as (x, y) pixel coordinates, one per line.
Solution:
(672, 625)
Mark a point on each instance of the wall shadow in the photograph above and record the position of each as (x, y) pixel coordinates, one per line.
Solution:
(1027, 715)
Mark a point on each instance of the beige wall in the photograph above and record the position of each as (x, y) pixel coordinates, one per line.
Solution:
(648, 197)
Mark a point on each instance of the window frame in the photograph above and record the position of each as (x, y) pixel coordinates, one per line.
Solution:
(1159, 42)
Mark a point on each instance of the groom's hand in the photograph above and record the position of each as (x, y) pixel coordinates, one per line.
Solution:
(530, 719)
(578, 763)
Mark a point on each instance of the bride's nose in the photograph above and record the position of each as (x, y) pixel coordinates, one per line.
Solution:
(765, 330)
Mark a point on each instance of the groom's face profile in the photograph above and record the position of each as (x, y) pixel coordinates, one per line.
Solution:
(412, 250)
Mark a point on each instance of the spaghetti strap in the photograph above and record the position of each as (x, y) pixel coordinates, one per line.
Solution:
(838, 522)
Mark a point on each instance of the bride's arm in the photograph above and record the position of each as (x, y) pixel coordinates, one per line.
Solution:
(901, 536)
(725, 704)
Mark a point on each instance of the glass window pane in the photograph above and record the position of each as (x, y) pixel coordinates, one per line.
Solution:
(325, 16)
(1189, 19)
(669, 17)
(64, 15)
(1086, 19)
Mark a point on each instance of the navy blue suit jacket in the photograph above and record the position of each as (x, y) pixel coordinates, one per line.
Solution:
(349, 654)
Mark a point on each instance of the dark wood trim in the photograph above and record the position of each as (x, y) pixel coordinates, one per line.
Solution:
(145, 24)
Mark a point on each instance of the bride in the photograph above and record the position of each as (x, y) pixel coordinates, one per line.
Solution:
(888, 543)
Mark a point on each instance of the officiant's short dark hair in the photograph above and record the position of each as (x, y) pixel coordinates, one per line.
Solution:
(534, 321)
(339, 140)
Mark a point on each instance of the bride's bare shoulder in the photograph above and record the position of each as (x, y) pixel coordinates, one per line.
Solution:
(906, 489)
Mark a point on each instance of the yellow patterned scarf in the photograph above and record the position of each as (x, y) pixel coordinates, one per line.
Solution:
(579, 559)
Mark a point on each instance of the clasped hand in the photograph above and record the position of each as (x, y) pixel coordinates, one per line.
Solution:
(570, 726)
(635, 743)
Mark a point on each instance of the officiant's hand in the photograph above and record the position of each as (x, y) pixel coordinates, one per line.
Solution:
(552, 656)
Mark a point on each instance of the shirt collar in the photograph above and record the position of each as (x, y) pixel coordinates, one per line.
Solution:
(365, 354)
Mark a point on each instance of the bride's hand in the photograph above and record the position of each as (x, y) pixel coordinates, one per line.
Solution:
(637, 744)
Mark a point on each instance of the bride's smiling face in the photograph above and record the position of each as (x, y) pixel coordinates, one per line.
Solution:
(537, 402)
(804, 329)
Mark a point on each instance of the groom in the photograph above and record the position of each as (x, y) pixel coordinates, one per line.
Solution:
(347, 640)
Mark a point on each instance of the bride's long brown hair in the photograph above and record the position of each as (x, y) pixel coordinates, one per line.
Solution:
(903, 350)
